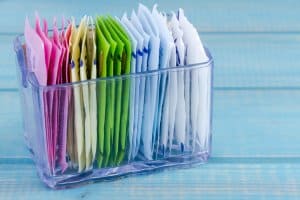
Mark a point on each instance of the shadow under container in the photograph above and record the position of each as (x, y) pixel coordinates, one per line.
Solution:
(110, 127)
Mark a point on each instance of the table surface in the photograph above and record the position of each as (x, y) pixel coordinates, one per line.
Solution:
(256, 150)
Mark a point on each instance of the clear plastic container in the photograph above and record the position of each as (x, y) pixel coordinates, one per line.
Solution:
(164, 120)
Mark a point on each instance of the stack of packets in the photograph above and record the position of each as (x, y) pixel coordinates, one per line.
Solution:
(104, 123)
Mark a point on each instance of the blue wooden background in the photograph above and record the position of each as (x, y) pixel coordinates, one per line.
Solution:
(256, 118)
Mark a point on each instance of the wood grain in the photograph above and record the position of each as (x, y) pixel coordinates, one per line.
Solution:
(256, 151)
(210, 16)
(215, 180)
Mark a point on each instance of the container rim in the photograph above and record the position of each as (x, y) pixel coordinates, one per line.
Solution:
(32, 80)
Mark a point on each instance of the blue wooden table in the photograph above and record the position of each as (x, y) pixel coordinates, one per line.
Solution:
(256, 117)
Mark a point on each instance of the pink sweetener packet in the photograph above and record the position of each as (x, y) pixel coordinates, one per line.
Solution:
(57, 100)
(54, 62)
(47, 119)
(51, 99)
(47, 102)
(35, 54)
(63, 101)
(35, 57)
(45, 39)
(45, 27)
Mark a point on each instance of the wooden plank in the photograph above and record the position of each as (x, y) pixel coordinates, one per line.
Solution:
(241, 60)
(256, 123)
(215, 180)
(11, 137)
(8, 63)
(211, 16)
(256, 108)
(246, 123)
(255, 60)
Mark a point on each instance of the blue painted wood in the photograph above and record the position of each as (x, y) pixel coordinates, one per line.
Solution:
(212, 16)
(215, 180)
(7, 64)
(256, 123)
(11, 137)
(255, 60)
(256, 151)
